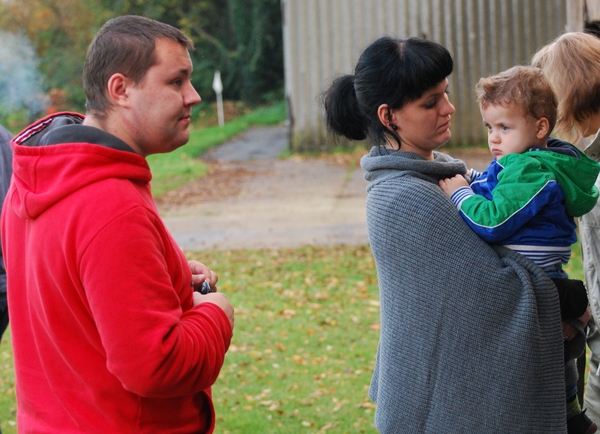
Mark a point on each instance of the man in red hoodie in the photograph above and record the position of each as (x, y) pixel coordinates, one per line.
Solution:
(108, 333)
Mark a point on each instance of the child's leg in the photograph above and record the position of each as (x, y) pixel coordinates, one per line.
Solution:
(573, 302)
(572, 297)
(577, 421)
(573, 406)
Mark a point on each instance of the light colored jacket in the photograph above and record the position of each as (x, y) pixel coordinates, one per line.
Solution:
(589, 233)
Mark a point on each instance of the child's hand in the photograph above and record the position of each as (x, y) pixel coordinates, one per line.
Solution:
(450, 185)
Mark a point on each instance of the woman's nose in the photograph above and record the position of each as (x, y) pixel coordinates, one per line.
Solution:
(448, 108)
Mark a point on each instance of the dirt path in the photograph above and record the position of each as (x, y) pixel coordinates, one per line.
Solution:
(253, 200)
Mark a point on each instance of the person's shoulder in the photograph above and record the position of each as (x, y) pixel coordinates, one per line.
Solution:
(519, 170)
(409, 195)
(523, 162)
(405, 183)
(5, 136)
(113, 197)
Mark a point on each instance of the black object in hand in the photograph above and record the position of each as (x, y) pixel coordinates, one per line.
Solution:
(205, 288)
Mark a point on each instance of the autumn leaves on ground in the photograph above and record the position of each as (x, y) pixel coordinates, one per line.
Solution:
(307, 323)
(303, 348)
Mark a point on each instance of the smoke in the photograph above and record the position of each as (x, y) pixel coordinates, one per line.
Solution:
(20, 80)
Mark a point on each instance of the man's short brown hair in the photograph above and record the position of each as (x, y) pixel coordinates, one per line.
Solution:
(123, 45)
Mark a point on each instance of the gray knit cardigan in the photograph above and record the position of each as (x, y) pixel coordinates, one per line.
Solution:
(470, 334)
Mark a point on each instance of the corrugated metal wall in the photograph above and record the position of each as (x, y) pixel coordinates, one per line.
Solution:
(323, 39)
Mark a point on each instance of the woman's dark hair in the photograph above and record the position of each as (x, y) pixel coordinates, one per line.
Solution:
(390, 71)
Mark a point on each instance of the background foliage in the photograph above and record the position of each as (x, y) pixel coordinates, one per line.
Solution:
(241, 38)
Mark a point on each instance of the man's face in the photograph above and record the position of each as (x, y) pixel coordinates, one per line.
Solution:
(160, 105)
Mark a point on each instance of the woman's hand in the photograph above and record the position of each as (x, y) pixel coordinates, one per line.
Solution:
(585, 318)
(570, 332)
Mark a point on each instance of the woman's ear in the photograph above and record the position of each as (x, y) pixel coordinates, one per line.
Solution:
(542, 128)
(386, 117)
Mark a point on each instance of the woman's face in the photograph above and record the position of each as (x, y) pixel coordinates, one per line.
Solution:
(424, 124)
(590, 126)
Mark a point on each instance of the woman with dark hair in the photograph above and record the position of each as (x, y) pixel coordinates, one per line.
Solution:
(470, 333)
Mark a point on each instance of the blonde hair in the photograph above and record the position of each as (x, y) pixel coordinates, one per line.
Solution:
(524, 86)
(572, 64)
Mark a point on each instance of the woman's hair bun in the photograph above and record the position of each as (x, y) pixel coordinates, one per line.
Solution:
(343, 114)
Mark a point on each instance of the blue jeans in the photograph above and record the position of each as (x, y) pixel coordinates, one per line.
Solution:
(555, 271)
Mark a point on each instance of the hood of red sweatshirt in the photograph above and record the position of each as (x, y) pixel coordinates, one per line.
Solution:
(58, 155)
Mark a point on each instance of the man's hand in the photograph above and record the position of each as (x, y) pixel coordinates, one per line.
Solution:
(220, 300)
(201, 273)
(450, 185)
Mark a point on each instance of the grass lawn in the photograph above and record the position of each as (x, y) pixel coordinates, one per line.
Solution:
(304, 342)
(8, 406)
(307, 324)
(303, 347)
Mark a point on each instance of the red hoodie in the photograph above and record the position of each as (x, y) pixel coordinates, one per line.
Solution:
(105, 335)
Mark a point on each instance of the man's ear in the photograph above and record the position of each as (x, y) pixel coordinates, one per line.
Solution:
(542, 128)
(117, 88)
(386, 117)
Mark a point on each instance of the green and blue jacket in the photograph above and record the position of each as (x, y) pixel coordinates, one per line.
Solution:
(527, 201)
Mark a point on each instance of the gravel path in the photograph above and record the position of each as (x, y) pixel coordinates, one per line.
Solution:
(251, 199)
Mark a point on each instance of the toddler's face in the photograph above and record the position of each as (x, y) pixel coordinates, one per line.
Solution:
(509, 131)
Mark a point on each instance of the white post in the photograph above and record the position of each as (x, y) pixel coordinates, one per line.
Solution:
(218, 88)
